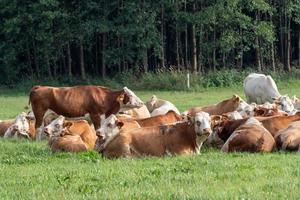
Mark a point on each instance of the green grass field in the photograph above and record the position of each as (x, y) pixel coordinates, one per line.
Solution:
(30, 171)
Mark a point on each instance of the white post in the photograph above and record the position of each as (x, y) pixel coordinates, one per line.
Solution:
(188, 80)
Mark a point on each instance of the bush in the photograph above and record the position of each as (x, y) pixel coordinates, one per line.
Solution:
(162, 80)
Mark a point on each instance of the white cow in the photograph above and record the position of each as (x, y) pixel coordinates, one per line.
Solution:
(160, 107)
(260, 88)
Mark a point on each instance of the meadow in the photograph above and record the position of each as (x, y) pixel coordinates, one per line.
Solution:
(30, 171)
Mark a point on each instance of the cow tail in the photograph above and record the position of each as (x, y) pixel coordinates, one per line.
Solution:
(32, 91)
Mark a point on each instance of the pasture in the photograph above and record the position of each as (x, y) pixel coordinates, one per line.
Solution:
(30, 171)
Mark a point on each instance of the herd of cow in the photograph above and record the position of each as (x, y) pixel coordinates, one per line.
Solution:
(119, 124)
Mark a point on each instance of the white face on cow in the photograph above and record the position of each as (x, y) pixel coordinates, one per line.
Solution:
(133, 100)
(245, 109)
(109, 127)
(202, 124)
(55, 128)
(285, 103)
(21, 125)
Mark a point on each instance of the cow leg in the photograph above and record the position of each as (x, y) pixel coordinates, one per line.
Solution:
(96, 120)
(39, 113)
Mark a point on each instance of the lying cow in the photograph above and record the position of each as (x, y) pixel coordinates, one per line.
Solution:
(80, 100)
(4, 125)
(62, 127)
(114, 125)
(160, 107)
(179, 138)
(250, 137)
(226, 106)
(23, 126)
(289, 138)
(138, 113)
(169, 117)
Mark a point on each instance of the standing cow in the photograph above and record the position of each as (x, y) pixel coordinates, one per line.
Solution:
(80, 100)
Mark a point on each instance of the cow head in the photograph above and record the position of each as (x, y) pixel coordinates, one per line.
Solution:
(57, 127)
(109, 127)
(285, 103)
(245, 109)
(21, 126)
(151, 103)
(129, 100)
(202, 123)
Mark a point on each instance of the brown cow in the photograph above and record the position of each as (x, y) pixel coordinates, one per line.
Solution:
(4, 125)
(180, 138)
(80, 100)
(169, 117)
(62, 127)
(267, 112)
(226, 106)
(251, 137)
(289, 138)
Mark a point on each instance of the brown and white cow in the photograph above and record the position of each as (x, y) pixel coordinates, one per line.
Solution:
(22, 126)
(289, 138)
(169, 117)
(250, 137)
(226, 106)
(107, 132)
(4, 125)
(138, 113)
(175, 139)
(160, 107)
(80, 100)
(62, 127)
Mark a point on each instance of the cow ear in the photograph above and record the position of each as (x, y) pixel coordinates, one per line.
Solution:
(119, 124)
(190, 118)
(67, 124)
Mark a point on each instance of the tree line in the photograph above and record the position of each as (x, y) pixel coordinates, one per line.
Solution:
(52, 38)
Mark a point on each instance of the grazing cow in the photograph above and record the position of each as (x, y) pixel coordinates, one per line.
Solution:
(23, 126)
(139, 113)
(160, 107)
(260, 88)
(289, 138)
(250, 137)
(60, 126)
(228, 105)
(179, 138)
(80, 100)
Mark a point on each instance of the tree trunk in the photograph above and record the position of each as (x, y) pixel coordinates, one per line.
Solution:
(29, 60)
(48, 65)
(162, 37)
(194, 45)
(96, 55)
(81, 57)
(145, 61)
(288, 46)
(257, 47)
(64, 65)
(214, 49)
(103, 64)
(69, 60)
(186, 41)
(272, 47)
(299, 45)
(281, 46)
(36, 62)
(177, 45)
